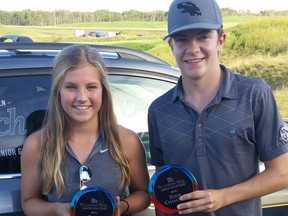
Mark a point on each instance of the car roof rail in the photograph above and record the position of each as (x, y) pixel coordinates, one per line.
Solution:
(16, 38)
(23, 43)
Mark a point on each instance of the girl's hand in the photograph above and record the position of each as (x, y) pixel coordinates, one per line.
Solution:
(117, 198)
(122, 206)
(63, 209)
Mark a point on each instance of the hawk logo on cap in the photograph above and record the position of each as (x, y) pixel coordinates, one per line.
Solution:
(190, 8)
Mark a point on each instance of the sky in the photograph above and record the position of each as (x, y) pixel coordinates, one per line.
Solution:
(124, 5)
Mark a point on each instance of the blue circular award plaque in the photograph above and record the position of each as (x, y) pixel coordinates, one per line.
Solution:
(93, 201)
(168, 184)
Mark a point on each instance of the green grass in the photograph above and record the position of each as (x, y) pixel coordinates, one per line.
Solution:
(282, 101)
(119, 25)
(259, 36)
(230, 21)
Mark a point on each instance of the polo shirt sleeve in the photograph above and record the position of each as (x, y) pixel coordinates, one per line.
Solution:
(271, 141)
(154, 140)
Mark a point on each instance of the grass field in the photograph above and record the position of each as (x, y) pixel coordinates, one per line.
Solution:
(255, 46)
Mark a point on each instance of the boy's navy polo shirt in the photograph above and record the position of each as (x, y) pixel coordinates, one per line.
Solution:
(222, 145)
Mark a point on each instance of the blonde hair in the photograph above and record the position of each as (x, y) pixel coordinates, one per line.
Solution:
(57, 127)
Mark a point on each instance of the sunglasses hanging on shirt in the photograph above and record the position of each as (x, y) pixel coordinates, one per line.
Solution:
(92, 200)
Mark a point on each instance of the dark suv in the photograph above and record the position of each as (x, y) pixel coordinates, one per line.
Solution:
(136, 78)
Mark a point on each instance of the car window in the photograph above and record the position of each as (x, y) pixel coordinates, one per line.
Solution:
(132, 97)
(23, 101)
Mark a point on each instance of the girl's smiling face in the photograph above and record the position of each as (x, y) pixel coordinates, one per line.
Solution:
(81, 93)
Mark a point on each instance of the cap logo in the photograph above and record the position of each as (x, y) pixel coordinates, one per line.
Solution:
(190, 8)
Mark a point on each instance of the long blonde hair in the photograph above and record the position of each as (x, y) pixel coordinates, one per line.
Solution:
(57, 127)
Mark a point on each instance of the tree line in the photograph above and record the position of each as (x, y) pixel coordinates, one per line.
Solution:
(58, 17)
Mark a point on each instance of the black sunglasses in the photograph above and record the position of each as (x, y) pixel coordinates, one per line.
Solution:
(85, 174)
